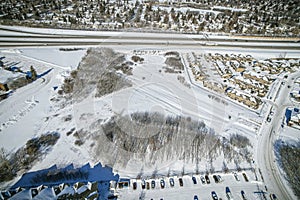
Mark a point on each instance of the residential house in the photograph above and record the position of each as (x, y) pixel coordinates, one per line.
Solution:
(10, 80)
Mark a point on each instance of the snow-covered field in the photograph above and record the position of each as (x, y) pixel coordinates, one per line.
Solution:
(153, 91)
(31, 111)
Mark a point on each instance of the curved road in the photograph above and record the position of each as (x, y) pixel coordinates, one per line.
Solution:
(265, 152)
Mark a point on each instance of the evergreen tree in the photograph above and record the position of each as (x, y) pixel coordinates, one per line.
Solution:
(33, 73)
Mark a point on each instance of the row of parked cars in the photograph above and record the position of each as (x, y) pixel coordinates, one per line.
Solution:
(152, 184)
(203, 178)
(218, 179)
(214, 195)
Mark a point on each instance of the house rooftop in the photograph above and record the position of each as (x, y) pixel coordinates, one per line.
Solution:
(6, 76)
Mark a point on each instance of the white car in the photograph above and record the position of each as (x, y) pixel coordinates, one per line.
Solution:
(236, 176)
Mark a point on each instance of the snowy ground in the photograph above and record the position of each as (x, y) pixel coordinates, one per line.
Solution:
(30, 112)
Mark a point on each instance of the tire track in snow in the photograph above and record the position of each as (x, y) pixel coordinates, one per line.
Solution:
(21, 113)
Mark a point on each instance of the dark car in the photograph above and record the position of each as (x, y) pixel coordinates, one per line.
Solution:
(195, 197)
(207, 179)
(180, 182)
(202, 179)
(194, 180)
(148, 185)
(171, 180)
(153, 184)
(245, 177)
(162, 183)
(227, 190)
(273, 196)
(134, 185)
(228, 193)
(243, 194)
(216, 178)
(214, 195)
(143, 184)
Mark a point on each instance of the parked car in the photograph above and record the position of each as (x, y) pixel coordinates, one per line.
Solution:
(134, 185)
(245, 177)
(180, 182)
(207, 179)
(216, 178)
(202, 179)
(148, 185)
(152, 184)
(219, 178)
(143, 184)
(214, 195)
(195, 197)
(228, 193)
(171, 180)
(227, 190)
(162, 183)
(236, 176)
(194, 180)
(243, 195)
(273, 197)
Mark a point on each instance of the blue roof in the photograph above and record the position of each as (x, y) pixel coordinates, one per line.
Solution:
(288, 114)
(70, 175)
(28, 74)
(14, 68)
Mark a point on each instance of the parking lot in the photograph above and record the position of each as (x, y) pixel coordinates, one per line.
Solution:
(198, 186)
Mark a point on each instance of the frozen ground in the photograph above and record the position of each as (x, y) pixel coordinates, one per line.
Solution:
(30, 112)
(153, 91)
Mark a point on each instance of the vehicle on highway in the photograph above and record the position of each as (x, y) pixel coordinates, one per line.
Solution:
(148, 185)
(162, 183)
(202, 180)
(172, 183)
(195, 197)
(245, 177)
(207, 179)
(180, 182)
(236, 176)
(194, 180)
(214, 195)
(243, 195)
(152, 184)
(273, 197)
(143, 184)
(134, 185)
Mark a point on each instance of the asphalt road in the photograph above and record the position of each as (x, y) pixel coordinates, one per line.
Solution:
(11, 37)
(269, 133)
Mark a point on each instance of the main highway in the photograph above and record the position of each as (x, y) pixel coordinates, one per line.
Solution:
(11, 36)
